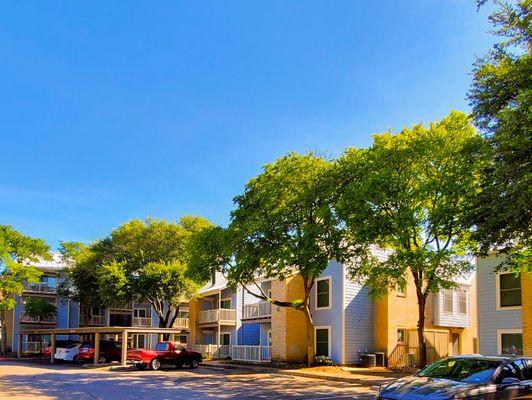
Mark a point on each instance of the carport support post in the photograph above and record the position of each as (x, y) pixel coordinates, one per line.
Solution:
(19, 346)
(124, 349)
(96, 347)
(52, 348)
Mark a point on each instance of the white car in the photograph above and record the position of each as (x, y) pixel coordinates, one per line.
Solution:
(68, 352)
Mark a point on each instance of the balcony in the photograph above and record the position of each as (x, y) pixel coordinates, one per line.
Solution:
(220, 316)
(36, 320)
(181, 323)
(141, 321)
(97, 320)
(260, 310)
(39, 288)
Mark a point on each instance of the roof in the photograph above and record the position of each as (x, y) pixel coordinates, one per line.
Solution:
(55, 264)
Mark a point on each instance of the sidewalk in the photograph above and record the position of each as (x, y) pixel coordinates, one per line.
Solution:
(364, 376)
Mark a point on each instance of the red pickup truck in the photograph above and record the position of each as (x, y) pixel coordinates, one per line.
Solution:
(164, 353)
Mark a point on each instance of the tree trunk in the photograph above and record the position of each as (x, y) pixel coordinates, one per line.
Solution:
(421, 331)
(310, 335)
(4, 331)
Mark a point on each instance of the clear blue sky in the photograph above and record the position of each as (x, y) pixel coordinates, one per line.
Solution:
(112, 110)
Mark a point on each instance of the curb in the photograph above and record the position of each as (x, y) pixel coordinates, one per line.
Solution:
(365, 382)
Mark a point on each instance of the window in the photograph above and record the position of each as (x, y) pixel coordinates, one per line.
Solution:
(140, 313)
(323, 293)
(401, 335)
(140, 341)
(269, 338)
(400, 289)
(462, 301)
(511, 342)
(162, 346)
(448, 305)
(225, 304)
(183, 338)
(323, 341)
(225, 339)
(509, 290)
(509, 371)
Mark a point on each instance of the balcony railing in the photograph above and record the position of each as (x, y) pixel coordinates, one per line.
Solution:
(258, 310)
(181, 323)
(39, 288)
(27, 318)
(36, 320)
(141, 321)
(220, 315)
(97, 320)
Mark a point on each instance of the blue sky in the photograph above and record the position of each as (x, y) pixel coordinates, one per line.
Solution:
(117, 110)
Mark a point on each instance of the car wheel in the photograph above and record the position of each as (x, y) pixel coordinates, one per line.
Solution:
(155, 364)
(193, 364)
(141, 367)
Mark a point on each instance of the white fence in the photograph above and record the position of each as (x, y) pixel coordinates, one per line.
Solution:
(217, 315)
(141, 321)
(261, 309)
(181, 323)
(252, 354)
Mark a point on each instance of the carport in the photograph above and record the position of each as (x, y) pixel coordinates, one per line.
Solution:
(96, 332)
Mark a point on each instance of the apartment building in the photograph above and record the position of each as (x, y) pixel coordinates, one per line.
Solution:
(347, 321)
(504, 308)
(46, 289)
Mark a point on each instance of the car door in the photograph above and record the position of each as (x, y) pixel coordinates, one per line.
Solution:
(510, 381)
(525, 388)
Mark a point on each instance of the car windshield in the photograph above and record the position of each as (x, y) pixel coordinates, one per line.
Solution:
(473, 370)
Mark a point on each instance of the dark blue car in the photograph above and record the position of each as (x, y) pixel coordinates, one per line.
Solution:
(466, 377)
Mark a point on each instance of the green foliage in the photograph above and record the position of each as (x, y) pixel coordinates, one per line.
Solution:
(408, 192)
(17, 251)
(501, 98)
(139, 261)
(39, 308)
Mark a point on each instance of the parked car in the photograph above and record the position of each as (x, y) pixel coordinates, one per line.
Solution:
(466, 377)
(165, 353)
(68, 351)
(47, 350)
(109, 351)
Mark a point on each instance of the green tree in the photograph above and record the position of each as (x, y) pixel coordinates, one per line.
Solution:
(39, 308)
(148, 261)
(81, 280)
(408, 193)
(501, 99)
(282, 226)
(16, 253)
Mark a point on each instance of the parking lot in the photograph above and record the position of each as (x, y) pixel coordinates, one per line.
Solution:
(23, 380)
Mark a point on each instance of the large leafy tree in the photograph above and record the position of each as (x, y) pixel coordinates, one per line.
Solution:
(282, 226)
(149, 262)
(501, 98)
(17, 251)
(408, 192)
(39, 308)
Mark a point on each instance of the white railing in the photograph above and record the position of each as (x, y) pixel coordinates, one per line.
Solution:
(27, 318)
(261, 309)
(252, 354)
(50, 320)
(141, 321)
(97, 320)
(181, 323)
(217, 315)
(39, 287)
(31, 347)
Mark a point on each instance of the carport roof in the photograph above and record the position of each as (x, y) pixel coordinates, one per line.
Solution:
(97, 329)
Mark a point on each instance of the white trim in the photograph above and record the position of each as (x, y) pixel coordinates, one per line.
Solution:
(500, 332)
(322, 278)
(343, 315)
(328, 327)
(498, 293)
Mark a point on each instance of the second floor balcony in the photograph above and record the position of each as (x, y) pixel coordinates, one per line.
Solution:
(37, 320)
(40, 287)
(222, 316)
(141, 321)
(98, 320)
(259, 310)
